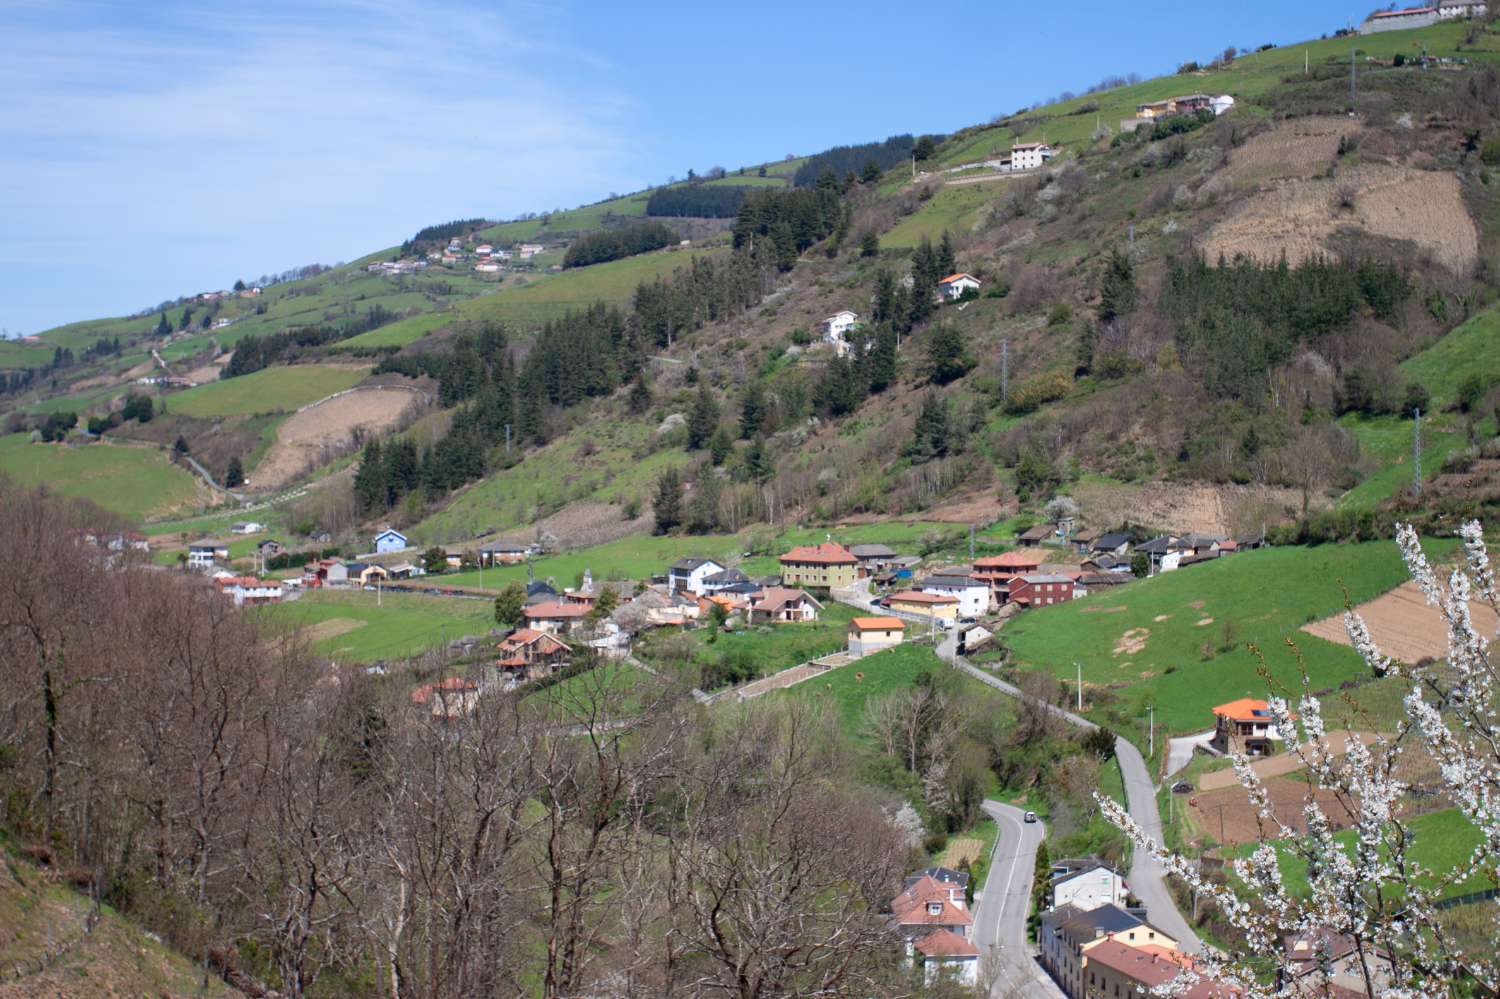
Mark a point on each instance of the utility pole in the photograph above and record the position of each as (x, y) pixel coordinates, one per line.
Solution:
(1151, 737)
(1353, 75)
(1080, 684)
(1416, 453)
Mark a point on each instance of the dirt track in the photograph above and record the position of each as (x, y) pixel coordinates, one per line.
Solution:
(1403, 625)
(318, 435)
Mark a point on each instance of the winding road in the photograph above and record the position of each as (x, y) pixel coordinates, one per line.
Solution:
(1000, 919)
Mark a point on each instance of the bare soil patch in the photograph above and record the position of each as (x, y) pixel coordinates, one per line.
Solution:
(1281, 764)
(961, 850)
(1301, 148)
(326, 431)
(1203, 623)
(1132, 642)
(1296, 219)
(1197, 508)
(580, 525)
(1403, 625)
(210, 372)
(1228, 816)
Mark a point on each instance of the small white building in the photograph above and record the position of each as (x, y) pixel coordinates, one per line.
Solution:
(389, 540)
(1222, 103)
(203, 554)
(1089, 887)
(484, 249)
(688, 575)
(953, 287)
(528, 250)
(973, 595)
(247, 527)
(1030, 155)
(487, 267)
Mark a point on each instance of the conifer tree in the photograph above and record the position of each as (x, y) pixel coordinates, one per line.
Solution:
(720, 447)
(667, 502)
(1117, 290)
(234, 475)
(369, 480)
(947, 355)
(163, 326)
(946, 262)
(703, 508)
(933, 433)
(639, 399)
(882, 360)
(753, 410)
(704, 419)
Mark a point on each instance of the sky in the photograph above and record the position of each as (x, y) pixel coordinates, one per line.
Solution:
(151, 150)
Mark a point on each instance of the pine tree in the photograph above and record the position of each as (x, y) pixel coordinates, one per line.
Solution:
(946, 262)
(667, 503)
(369, 479)
(1117, 290)
(180, 446)
(639, 399)
(869, 245)
(1088, 341)
(933, 433)
(947, 355)
(234, 475)
(704, 419)
(884, 308)
(753, 410)
(720, 447)
(703, 508)
(163, 326)
(882, 360)
(871, 172)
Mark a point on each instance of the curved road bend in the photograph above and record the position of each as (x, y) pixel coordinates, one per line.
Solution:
(1147, 879)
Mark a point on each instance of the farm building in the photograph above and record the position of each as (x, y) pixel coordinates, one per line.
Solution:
(1041, 590)
(874, 634)
(390, 541)
(1244, 726)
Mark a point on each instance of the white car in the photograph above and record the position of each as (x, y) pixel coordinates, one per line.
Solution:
(1030, 816)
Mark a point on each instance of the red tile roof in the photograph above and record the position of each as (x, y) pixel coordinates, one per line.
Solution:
(1010, 560)
(877, 624)
(1153, 969)
(954, 277)
(828, 553)
(946, 943)
(454, 684)
(1244, 710)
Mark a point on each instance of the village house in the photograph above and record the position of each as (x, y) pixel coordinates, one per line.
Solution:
(821, 567)
(527, 653)
(131, 540)
(204, 554)
(449, 699)
(389, 540)
(249, 590)
(364, 574)
(556, 617)
(1087, 886)
(933, 919)
(872, 558)
(933, 605)
(269, 548)
(836, 329)
(1034, 536)
(868, 635)
(540, 592)
(528, 250)
(973, 594)
(499, 554)
(687, 575)
(996, 571)
(1065, 932)
(721, 582)
(656, 608)
(1187, 104)
(1244, 726)
(780, 605)
(953, 286)
(246, 527)
(1039, 590)
(1115, 543)
(1030, 155)
(1321, 962)
(405, 570)
(1139, 972)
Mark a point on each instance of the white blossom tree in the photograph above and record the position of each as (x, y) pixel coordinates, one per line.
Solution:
(1372, 891)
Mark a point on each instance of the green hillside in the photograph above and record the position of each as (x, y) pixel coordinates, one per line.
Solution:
(270, 390)
(133, 481)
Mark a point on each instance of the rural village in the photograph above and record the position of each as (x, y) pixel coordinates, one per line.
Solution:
(1045, 559)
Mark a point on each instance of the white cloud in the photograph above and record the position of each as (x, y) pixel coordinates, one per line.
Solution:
(186, 151)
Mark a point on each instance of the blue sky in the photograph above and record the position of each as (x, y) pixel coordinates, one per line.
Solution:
(149, 150)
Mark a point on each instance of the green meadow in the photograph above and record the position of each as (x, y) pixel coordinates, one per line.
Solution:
(366, 627)
(131, 481)
(269, 390)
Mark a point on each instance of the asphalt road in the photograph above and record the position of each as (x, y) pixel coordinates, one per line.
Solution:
(1146, 878)
(1000, 919)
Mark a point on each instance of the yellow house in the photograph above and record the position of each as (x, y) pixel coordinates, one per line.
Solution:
(824, 567)
(937, 605)
(872, 634)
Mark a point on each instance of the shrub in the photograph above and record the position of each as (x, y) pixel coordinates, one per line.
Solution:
(1489, 153)
(1036, 392)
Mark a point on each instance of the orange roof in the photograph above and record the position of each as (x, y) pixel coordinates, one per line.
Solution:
(1010, 560)
(914, 597)
(1244, 709)
(828, 553)
(923, 890)
(877, 624)
(553, 609)
(954, 277)
(946, 943)
(948, 914)
(454, 684)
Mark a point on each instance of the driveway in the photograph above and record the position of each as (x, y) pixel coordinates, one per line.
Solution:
(1000, 918)
(1146, 878)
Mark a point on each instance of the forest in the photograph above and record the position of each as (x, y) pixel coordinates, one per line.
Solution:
(256, 352)
(616, 244)
(703, 201)
(842, 160)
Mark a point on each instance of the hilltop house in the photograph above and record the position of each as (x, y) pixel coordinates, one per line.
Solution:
(973, 594)
(953, 286)
(822, 567)
(389, 541)
(1187, 104)
(780, 605)
(688, 575)
(868, 635)
(1244, 726)
(1030, 155)
(836, 329)
(1420, 17)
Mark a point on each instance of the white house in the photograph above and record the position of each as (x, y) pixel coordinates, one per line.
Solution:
(205, 553)
(689, 574)
(250, 590)
(953, 286)
(484, 249)
(836, 329)
(973, 595)
(1222, 103)
(247, 527)
(1030, 155)
(945, 954)
(389, 540)
(1089, 887)
(529, 250)
(487, 268)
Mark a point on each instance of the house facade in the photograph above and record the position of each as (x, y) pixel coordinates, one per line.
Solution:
(688, 575)
(1041, 590)
(868, 635)
(780, 605)
(933, 605)
(1244, 726)
(249, 590)
(836, 329)
(953, 286)
(1088, 888)
(1029, 155)
(555, 617)
(973, 595)
(934, 922)
(873, 559)
(531, 654)
(820, 567)
(389, 540)
(203, 554)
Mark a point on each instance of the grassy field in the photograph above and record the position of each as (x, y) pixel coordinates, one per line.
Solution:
(848, 689)
(366, 627)
(14, 354)
(953, 208)
(270, 390)
(76, 336)
(398, 334)
(131, 481)
(1470, 349)
(1388, 440)
(771, 648)
(552, 296)
(1159, 641)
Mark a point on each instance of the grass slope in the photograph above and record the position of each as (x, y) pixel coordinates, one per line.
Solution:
(131, 481)
(1263, 596)
(384, 626)
(270, 390)
(1470, 349)
(398, 334)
